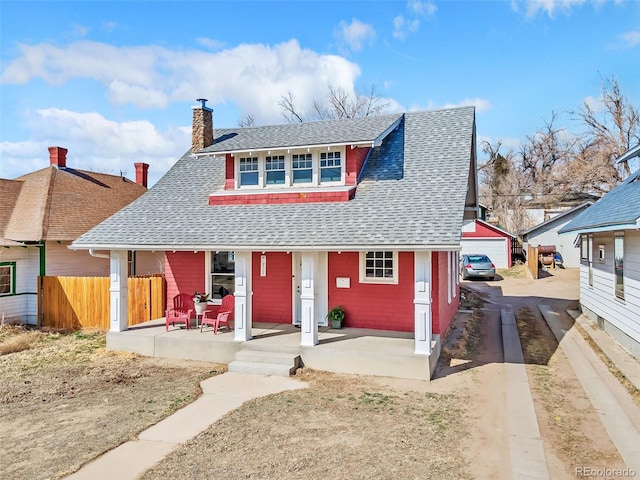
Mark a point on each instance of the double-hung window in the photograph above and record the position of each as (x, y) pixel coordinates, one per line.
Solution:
(618, 264)
(7, 278)
(274, 167)
(302, 168)
(223, 274)
(379, 267)
(249, 171)
(330, 167)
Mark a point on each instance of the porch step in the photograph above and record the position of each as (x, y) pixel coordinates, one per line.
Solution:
(265, 363)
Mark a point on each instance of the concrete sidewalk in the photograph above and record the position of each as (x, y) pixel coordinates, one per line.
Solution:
(617, 411)
(528, 460)
(220, 394)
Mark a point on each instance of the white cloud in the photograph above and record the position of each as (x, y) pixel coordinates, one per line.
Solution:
(481, 104)
(252, 76)
(210, 43)
(631, 39)
(95, 143)
(121, 93)
(404, 25)
(550, 7)
(355, 34)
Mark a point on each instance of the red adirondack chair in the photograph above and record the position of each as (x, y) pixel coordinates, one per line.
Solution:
(181, 311)
(223, 316)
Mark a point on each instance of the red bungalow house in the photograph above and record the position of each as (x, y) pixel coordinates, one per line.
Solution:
(294, 219)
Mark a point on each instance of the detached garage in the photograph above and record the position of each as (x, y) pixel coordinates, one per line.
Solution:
(481, 237)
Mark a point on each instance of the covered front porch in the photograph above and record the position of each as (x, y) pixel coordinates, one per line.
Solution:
(348, 350)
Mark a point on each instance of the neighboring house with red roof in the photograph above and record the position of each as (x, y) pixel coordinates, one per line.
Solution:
(295, 219)
(42, 212)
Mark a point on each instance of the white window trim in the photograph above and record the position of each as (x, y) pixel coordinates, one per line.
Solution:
(378, 280)
(11, 265)
(288, 168)
(621, 297)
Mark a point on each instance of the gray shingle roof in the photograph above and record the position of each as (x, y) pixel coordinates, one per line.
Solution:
(412, 193)
(341, 131)
(619, 207)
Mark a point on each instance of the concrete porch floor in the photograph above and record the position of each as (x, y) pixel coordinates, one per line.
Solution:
(348, 350)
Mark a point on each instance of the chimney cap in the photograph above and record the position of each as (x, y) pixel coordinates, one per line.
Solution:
(203, 105)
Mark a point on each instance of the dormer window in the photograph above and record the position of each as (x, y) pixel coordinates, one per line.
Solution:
(274, 166)
(300, 168)
(302, 165)
(330, 167)
(249, 171)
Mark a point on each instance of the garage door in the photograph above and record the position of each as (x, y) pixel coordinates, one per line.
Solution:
(494, 248)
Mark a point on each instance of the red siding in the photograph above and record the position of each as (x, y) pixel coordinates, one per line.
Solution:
(382, 307)
(184, 272)
(281, 197)
(272, 301)
(229, 173)
(355, 160)
(484, 231)
(442, 311)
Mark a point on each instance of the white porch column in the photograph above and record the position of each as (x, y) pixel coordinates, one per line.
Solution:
(242, 310)
(422, 302)
(309, 320)
(118, 291)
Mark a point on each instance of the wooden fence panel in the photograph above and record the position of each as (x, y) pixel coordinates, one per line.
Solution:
(72, 303)
(532, 261)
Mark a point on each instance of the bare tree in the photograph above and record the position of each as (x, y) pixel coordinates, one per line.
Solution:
(339, 103)
(543, 152)
(610, 133)
(247, 121)
(502, 186)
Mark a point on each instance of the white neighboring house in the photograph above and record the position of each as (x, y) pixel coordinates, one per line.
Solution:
(610, 260)
(546, 233)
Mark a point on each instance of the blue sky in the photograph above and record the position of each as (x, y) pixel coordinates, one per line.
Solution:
(114, 82)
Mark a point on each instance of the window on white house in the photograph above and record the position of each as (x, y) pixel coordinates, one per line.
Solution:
(584, 252)
(274, 167)
(590, 259)
(379, 267)
(249, 171)
(7, 278)
(330, 167)
(618, 264)
(223, 274)
(600, 253)
(302, 167)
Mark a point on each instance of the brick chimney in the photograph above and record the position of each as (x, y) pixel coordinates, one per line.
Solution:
(202, 129)
(58, 157)
(142, 173)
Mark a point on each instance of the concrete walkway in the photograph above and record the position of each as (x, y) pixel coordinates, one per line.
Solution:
(615, 408)
(528, 461)
(220, 394)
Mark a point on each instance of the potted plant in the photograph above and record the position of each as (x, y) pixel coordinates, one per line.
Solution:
(200, 301)
(336, 315)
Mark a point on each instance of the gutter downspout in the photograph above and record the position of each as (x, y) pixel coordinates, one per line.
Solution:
(93, 253)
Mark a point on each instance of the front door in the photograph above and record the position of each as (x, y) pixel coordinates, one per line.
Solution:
(321, 292)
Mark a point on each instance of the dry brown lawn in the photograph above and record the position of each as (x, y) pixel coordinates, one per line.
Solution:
(64, 400)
